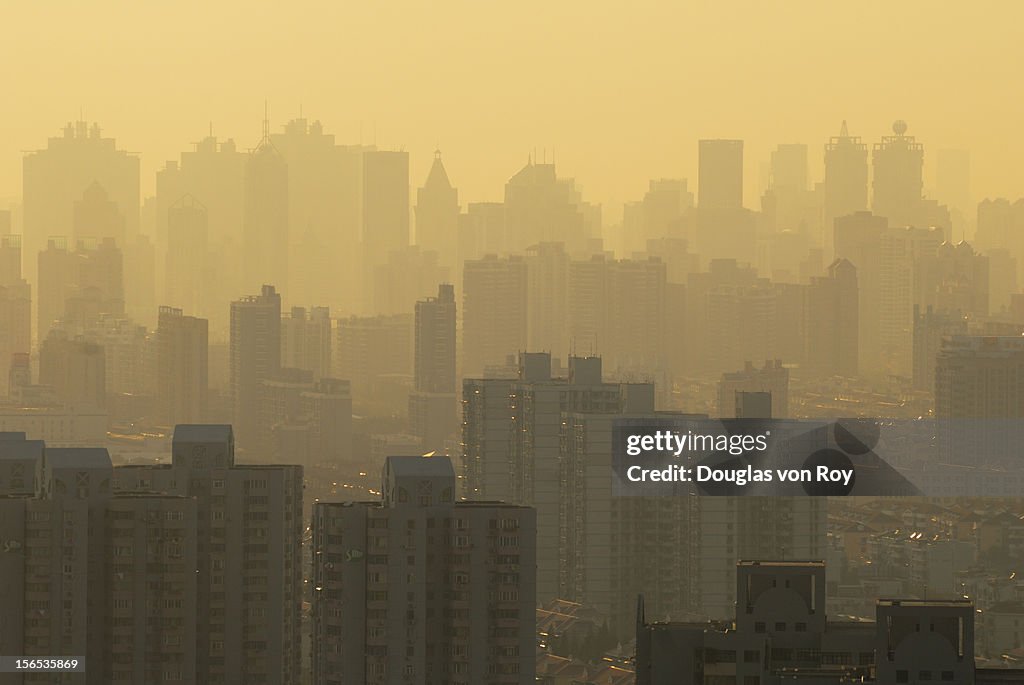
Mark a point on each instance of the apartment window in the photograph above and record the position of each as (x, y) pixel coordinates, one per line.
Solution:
(780, 627)
(924, 675)
(902, 676)
(800, 627)
(751, 656)
(759, 627)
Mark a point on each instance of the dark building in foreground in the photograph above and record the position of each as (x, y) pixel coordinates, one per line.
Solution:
(187, 572)
(781, 634)
(420, 588)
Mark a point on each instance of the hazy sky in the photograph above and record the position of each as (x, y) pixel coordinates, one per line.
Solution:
(621, 91)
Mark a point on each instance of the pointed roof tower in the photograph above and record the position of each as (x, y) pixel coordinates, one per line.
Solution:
(438, 177)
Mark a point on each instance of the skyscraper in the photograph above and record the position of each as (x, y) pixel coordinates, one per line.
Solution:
(432, 402)
(306, 341)
(265, 215)
(724, 227)
(182, 367)
(547, 301)
(437, 214)
(720, 174)
(419, 587)
(541, 207)
(897, 185)
(55, 178)
(213, 173)
(494, 311)
(188, 282)
(846, 179)
(385, 211)
(255, 356)
(831, 327)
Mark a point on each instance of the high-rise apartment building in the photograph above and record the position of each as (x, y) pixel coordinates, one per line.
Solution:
(255, 356)
(432, 409)
(494, 311)
(188, 572)
(182, 367)
(419, 587)
(306, 340)
(265, 227)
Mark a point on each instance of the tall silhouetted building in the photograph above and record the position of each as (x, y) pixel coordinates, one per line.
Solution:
(846, 178)
(897, 184)
(953, 183)
(255, 357)
(385, 225)
(547, 301)
(540, 207)
(370, 350)
(524, 465)
(265, 215)
(75, 369)
(720, 179)
(494, 311)
(724, 227)
(832, 322)
(432, 403)
(182, 367)
(323, 180)
(419, 587)
(306, 341)
(409, 274)
(213, 174)
(930, 328)
(188, 265)
(15, 307)
(437, 214)
(56, 178)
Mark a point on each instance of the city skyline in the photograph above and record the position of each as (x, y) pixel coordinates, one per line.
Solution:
(626, 91)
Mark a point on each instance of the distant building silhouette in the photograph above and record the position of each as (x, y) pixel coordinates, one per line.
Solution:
(255, 356)
(265, 215)
(437, 214)
(190, 283)
(306, 341)
(720, 180)
(385, 211)
(182, 367)
(832, 322)
(15, 307)
(494, 311)
(57, 177)
(75, 369)
(846, 179)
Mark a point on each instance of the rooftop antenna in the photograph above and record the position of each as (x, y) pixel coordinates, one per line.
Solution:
(843, 133)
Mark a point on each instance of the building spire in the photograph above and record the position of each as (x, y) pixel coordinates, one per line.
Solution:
(843, 132)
